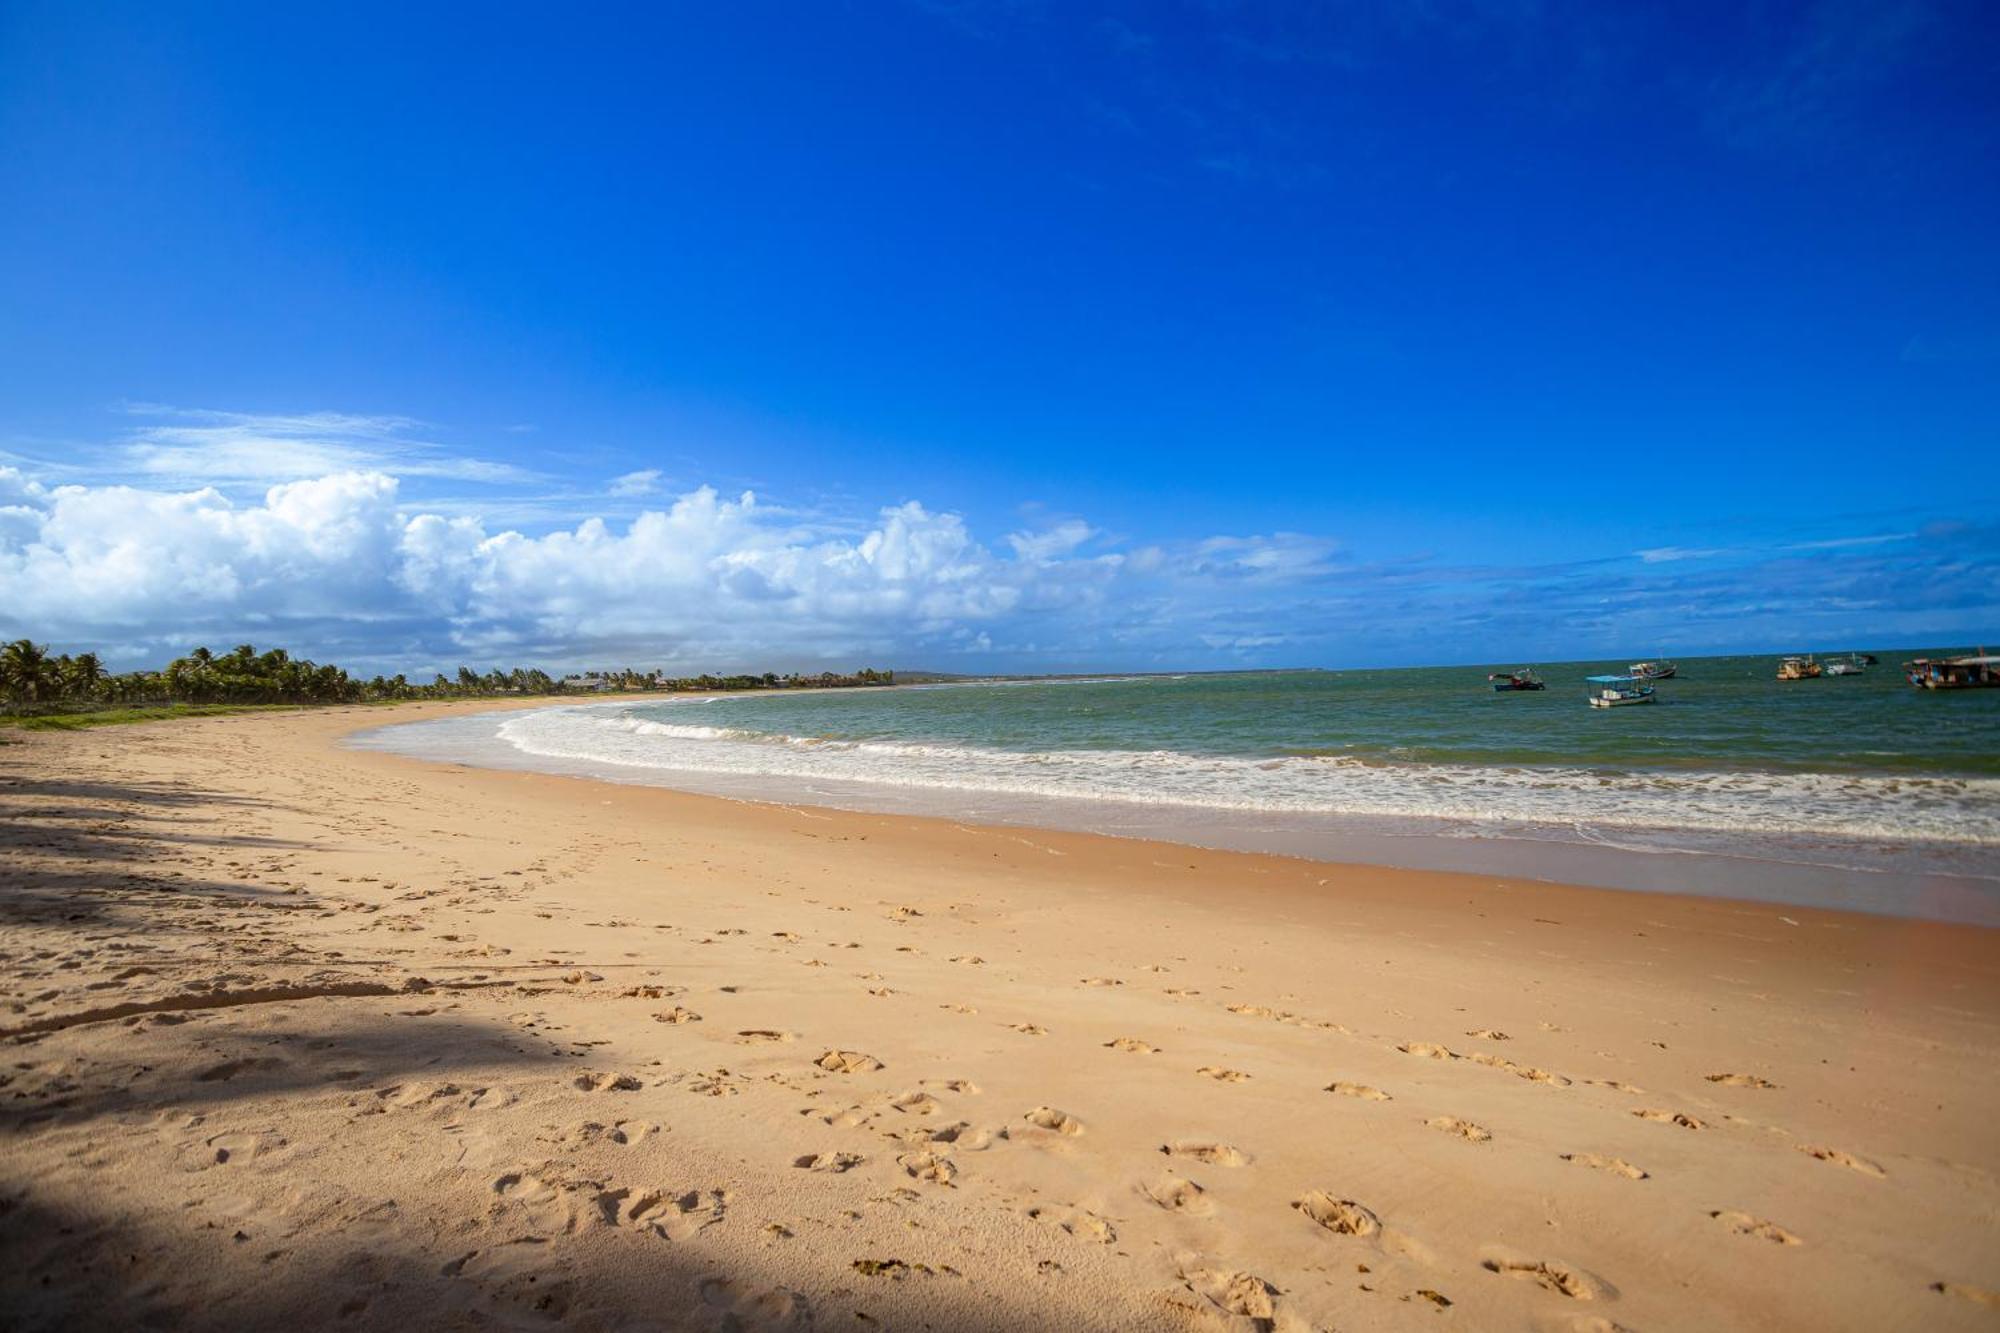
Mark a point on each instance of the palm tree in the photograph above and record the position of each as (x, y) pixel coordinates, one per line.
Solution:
(84, 675)
(25, 670)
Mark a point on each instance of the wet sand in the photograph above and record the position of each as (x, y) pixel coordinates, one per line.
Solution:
(310, 1035)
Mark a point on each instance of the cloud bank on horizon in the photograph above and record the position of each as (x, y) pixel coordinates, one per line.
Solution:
(300, 530)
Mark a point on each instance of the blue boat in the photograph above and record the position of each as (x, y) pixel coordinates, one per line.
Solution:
(1618, 691)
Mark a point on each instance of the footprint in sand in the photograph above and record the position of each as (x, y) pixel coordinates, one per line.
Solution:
(1846, 1159)
(662, 1213)
(1133, 1045)
(965, 1136)
(1615, 1085)
(1214, 1154)
(544, 1205)
(1360, 1090)
(1561, 1278)
(677, 1015)
(1671, 1118)
(624, 1133)
(734, 1305)
(1617, 1166)
(831, 1162)
(969, 959)
(605, 1082)
(1221, 1075)
(1178, 1194)
(1061, 1122)
(929, 1166)
(1465, 1129)
(1489, 1034)
(1102, 981)
(1030, 1029)
(1234, 1295)
(1085, 1226)
(917, 1103)
(848, 1062)
(1343, 1217)
(764, 1036)
(1427, 1050)
(844, 1118)
(1740, 1081)
(1743, 1224)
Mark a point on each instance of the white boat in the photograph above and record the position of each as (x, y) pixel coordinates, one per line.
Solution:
(1854, 664)
(1619, 691)
(1661, 670)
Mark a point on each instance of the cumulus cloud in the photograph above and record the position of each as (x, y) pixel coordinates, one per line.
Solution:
(349, 565)
(707, 579)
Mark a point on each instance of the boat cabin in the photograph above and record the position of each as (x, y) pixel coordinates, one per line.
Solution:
(1954, 673)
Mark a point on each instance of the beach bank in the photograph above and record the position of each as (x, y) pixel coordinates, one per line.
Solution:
(312, 1034)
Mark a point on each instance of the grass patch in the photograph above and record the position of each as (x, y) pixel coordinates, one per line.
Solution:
(113, 717)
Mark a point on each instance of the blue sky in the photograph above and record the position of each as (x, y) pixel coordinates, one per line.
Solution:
(1043, 336)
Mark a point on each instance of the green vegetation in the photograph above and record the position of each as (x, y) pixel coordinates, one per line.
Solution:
(43, 691)
(111, 717)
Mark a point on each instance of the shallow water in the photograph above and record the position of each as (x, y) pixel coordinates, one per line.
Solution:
(1833, 775)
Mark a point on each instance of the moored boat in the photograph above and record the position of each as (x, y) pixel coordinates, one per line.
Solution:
(1978, 672)
(1619, 691)
(1853, 664)
(1653, 670)
(1507, 681)
(1799, 668)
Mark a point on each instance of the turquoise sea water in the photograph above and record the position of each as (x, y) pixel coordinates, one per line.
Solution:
(1728, 749)
(1725, 712)
(1858, 790)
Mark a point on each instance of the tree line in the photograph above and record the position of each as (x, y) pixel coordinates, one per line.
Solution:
(33, 680)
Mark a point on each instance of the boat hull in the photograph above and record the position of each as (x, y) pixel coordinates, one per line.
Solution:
(1620, 700)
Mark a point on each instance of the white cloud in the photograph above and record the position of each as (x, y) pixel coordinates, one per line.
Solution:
(643, 482)
(1839, 543)
(705, 579)
(184, 445)
(1051, 543)
(349, 565)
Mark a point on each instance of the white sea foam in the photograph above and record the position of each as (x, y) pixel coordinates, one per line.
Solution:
(1892, 810)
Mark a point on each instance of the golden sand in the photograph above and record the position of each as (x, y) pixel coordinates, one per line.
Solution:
(310, 1037)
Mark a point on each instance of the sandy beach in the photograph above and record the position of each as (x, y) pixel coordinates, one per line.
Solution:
(302, 1035)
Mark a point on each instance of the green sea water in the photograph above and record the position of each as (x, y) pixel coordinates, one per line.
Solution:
(1718, 712)
(1853, 791)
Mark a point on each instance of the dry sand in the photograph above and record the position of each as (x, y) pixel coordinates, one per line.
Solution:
(304, 1036)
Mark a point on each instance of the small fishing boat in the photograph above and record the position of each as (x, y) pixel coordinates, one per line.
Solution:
(1799, 668)
(1507, 681)
(1653, 670)
(1853, 664)
(1618, 691)
(1979, 672)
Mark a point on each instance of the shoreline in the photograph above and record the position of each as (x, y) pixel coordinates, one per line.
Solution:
(380, 1043)
(1612, 858)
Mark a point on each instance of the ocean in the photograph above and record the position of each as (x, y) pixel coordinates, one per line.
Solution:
(1850, 791)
